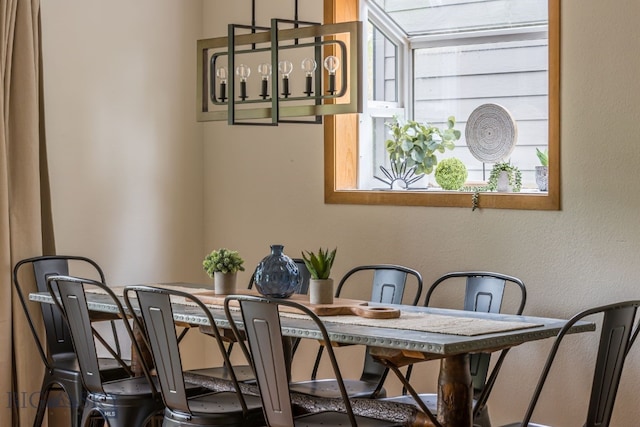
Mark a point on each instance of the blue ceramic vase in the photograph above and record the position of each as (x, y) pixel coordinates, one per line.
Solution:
(277, 276)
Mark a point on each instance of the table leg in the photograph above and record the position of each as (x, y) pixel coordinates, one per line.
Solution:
(455, 394)
(144, 358)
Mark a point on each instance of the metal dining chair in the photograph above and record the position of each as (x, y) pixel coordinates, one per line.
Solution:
(128, 402)
(305, 276)
(484, 292)
(244, 373)
(60, 361)
(388, 286)
(619, 329)
(226, 408)
(262, 328)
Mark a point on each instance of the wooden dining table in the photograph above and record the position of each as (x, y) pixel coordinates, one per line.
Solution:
(419, 334)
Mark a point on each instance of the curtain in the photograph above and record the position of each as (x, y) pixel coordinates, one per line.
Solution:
(25, 211)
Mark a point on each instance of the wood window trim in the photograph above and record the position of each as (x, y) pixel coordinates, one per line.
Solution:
(341, 142)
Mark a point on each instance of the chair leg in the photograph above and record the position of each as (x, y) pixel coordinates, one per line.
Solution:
(42, 402)
(75, 393)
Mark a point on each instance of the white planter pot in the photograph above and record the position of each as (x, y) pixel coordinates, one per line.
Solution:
(224, 283)
(321, 291)
(502, 186)
(542, 173)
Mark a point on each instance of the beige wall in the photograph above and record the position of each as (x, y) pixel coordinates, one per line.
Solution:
(157, 190)
(125, 151)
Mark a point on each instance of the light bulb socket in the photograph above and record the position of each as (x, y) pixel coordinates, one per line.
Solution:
(285, 87)
(243, 90)
(263, 92)
(332, 84)
(308, 85)
(223, 92)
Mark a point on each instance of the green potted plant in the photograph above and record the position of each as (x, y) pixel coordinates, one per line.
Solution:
(319, 266)
(413, 145)
(505, 178)
(542, 171)
(222, 265)
(451, 174)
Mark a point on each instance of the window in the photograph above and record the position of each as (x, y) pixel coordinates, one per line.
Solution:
(425, 62)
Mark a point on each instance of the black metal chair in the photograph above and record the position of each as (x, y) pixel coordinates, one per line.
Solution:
(388, 286)
(128, 402)
(618, 332)
(244, 373)
(261, 320)
(484, 292)
(228, 408)
(304, 289)
(61, 364)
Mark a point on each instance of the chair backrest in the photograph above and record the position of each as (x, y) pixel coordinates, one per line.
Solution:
(58, 338)
(304, 277)
(388, 286)
(484, 292)
(69, 296)
(261, 322)
(157, 316)
(618, 331)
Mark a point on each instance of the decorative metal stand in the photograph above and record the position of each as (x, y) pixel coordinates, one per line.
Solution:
(399, 178)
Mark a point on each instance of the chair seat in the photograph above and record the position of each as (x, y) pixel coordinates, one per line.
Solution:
(243, 373)
(338, 419)
(218, 408)
(329, 388)
(528, 425)
(109, 367)
(136, 386)
(223, 402)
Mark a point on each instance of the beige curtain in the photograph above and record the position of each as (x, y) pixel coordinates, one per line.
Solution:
(25, 212)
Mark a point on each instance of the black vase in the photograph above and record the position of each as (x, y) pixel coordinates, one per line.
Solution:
(277, 276)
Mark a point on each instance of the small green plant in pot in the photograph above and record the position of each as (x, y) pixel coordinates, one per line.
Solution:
(222, 265)
(505, 178)
(319, 265)
(451, 174)
(542, 171)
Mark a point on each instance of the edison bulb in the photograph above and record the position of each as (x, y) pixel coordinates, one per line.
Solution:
(243, 72)
(285, 68)
(221, 74)
(309, 66)
(331, 63)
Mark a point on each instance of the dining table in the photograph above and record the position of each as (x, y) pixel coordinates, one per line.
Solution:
(416, 334)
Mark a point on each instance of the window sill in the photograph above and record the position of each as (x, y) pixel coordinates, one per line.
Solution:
(533, 200)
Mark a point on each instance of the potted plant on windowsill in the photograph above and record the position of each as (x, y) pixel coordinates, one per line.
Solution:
(412, 149)
(451, 174)
(222, 266)
(505, 178)
(542, 171)
(320, 284)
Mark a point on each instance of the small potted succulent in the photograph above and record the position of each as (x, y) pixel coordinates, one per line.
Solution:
(222, 266)
(451, 174)
(542, 171)
(505, 178)
(320, 284)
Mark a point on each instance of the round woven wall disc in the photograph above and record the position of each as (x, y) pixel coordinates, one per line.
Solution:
(491, 133)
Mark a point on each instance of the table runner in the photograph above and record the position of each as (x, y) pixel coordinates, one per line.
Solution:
(423, 322)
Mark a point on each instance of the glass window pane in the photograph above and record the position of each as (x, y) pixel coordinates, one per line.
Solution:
(382, 66)
(454, 80)
(450, 16)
